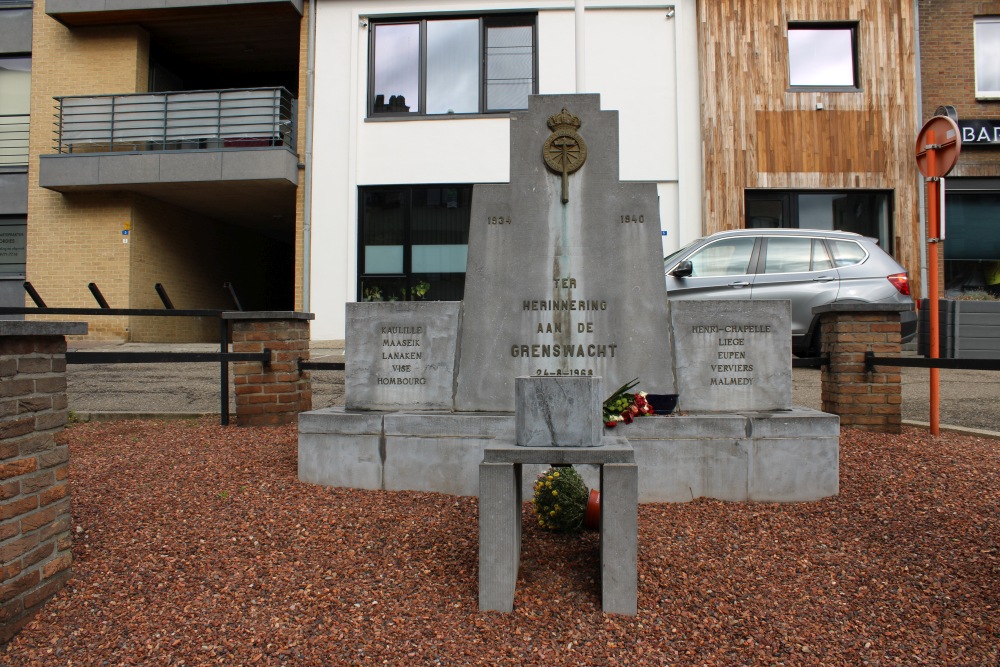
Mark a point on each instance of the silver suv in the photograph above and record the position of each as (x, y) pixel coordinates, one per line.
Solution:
(809, 267)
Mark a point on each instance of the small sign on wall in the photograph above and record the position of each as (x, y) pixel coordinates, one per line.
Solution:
(980, 132)
(13, 244)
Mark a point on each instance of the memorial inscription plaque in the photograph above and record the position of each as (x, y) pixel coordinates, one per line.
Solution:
(733, 355)
(400, 355)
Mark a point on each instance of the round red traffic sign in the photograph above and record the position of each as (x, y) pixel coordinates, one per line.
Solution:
(938, 137)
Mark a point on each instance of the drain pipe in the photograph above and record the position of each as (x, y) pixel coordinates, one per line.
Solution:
(307, 195)
(580, 45)
(921, 202)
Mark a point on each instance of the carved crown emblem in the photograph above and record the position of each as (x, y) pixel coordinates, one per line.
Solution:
(563, 119)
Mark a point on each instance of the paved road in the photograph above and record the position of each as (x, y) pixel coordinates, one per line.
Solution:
(969, 399)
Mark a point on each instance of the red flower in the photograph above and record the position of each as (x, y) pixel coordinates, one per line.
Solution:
(640, 401)
(610, 424)
(627, 416)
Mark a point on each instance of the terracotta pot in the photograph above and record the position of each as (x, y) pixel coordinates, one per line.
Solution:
(592, 517)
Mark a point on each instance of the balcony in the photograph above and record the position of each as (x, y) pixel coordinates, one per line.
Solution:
(206, 43)
(82, 11)
(13, 140)
(229, 154)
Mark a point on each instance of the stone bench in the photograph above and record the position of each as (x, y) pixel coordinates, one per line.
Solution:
(500, 519)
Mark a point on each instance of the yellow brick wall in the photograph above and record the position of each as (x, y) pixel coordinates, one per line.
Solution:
(187, 254)
(76, 239)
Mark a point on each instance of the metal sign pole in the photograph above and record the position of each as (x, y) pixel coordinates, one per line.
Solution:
(933, 207)
(938, 146)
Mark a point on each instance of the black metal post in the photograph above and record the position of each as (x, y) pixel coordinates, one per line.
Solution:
(33, 294)
(232, 293)
(224, 370)
(101, 301)
(163, 296)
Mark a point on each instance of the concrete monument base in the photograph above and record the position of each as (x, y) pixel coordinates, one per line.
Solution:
(774, 456)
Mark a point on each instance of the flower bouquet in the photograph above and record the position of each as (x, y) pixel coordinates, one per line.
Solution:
(560, 499)
(624, 405)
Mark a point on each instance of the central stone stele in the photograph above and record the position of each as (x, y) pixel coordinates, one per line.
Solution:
(563, 288)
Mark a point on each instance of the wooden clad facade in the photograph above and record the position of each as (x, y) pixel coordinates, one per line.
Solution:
(758, 132)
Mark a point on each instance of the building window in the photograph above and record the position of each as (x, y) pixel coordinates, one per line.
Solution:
(15, 92)
(987, 31)
(414, 242)
(972, 236)
(822, 55)
(456, 65)
(861, 211)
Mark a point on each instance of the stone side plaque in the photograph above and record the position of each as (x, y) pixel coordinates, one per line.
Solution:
(400, 355)
(733, 355)
(565, 273)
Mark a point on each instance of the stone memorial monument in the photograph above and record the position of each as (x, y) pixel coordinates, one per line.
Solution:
(565, 280)
(565, 272)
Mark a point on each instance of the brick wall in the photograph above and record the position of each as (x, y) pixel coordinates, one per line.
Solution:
(275, 393)
(35, 538)
(948, 72)
(869, 401)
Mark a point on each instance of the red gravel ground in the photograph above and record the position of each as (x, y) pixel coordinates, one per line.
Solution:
(196, 545)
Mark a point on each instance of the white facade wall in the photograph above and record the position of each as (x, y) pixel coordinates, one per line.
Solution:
(643, 64)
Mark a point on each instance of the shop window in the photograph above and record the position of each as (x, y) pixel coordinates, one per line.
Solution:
(822, 55)
(863, 212)
(457, 65)
(972, 239)
(414, 242)
(987, 38)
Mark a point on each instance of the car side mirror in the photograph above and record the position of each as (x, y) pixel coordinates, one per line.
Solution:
(683, 270)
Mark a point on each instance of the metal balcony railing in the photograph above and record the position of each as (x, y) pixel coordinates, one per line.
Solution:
(13, 140)
(187, 120)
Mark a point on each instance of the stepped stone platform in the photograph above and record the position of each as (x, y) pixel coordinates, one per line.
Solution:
(777, 455)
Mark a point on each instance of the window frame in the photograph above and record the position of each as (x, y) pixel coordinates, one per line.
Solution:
(486, 21)
(408, 278)
(790, 215)
(982, 94)
(855, 55)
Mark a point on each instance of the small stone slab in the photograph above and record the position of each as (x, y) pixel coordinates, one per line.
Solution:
(267, 315)
(558, 411)
(614, 450)
(39, 328)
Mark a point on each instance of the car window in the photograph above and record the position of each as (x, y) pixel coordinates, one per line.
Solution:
(675, 254)
(796, 255)
(846, 253)
(726, 257)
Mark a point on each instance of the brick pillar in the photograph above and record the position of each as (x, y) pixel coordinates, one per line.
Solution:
(869, 401)
(273, 393)
(35, 538)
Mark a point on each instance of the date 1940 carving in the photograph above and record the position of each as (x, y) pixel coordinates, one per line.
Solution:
(497, 220)
(626, 219)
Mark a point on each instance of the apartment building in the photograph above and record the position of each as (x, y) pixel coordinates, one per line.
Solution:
(413, 107)
(960, 77)
(164, 150)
